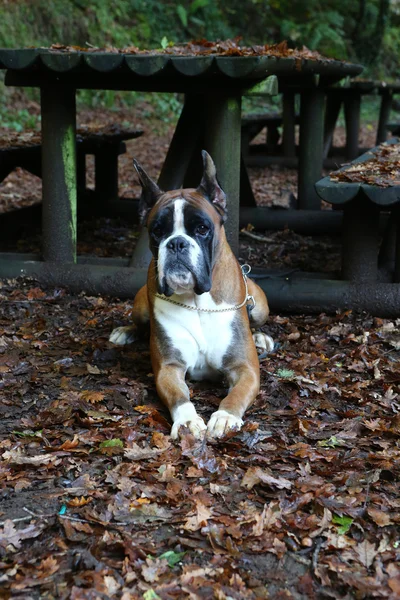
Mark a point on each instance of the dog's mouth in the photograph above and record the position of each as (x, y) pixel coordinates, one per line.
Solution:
(178, 278)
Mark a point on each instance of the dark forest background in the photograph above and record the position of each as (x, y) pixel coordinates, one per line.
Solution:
(365, 31)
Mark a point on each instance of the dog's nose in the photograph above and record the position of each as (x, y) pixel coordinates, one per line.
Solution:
(177, 244)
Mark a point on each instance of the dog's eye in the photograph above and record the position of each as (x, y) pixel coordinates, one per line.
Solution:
(156, 232)
(202, 229)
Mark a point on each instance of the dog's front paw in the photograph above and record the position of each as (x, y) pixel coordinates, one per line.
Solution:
(221, 422)
(263, 342)
(123, 335)
(196, 427)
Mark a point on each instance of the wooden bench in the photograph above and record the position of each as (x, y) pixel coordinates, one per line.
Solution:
(393, 128)
(253, 124)
(105, 143)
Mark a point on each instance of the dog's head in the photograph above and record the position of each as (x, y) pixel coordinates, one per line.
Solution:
(184, 229)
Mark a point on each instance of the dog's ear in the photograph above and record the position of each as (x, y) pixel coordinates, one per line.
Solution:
(210, 187)
(150, 192)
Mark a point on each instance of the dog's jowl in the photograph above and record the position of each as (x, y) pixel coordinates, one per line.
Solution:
(195, 303)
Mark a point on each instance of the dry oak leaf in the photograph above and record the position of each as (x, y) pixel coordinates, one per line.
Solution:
(92, 396)
(266, 519)
(48, 567)
(10, 537)
(112, 586)
(366, 553)
(191, 572)
(18, 458)
(153, 568)
(382, 519)
(136, 452)
(77, 502)
(199, 519)
(255, 475)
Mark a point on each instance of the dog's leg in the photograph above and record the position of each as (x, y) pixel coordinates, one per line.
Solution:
(258, 316)
(173, 391)
(263, 342)
(244, 381)
(140, 317)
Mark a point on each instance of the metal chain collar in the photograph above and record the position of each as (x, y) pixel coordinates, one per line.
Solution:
(245, 271)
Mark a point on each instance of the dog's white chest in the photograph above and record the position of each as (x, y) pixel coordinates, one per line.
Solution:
(202, 338)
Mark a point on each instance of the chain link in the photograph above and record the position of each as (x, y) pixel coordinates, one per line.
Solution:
(245, 271)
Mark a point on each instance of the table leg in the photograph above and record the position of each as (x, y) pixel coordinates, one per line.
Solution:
(311, 147)
(106, 174)
(384, 114)
(333, 106)
(59, 173)
(176, 163)
(360, 236)
(396, 215)
(289, 124)
(352, 106)
(246, 193)
(222, 141)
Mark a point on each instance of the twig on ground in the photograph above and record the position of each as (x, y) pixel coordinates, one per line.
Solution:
(256, 236)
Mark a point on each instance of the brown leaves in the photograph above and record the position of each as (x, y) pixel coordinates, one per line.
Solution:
(317, 481)
(382, 170)
(17, 457)
(200, 517)
(11, 538)
(203, 47)
(255, 475)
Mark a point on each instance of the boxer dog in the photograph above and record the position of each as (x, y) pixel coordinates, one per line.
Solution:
(196, 302)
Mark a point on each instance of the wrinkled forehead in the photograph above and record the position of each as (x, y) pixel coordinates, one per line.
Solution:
(184, 206)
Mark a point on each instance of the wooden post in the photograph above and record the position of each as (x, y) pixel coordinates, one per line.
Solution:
(333, 106)
(384, 114)
(360, 240)
(176, 163)
(311, 147)
(106, 174)
(59, 173)
(352, 106)
(396, 215)
(222, 142)
(289, 124)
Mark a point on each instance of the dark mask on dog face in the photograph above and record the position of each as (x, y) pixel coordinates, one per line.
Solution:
(184, 228)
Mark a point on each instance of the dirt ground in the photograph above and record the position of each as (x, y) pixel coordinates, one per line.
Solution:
(98, 502)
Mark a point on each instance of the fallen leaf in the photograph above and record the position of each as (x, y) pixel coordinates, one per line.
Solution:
(366, 553)
(255, 475)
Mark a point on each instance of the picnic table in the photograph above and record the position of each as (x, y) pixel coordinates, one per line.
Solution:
(211, 118)
(347, 94)
(366, 188)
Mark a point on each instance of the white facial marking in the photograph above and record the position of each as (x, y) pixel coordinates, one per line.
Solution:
(180, 283)
(185, 414)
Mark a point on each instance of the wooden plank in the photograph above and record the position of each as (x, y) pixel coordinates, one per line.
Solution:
(59, 174)
(311, 147)
(360, 241)
(222, 142)
(103, 62)
(60, 63)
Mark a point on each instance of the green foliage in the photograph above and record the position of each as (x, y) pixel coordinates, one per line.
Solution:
(285, 373)
(113, 443)
(172, 557)
(367, 31)
(18, 119)
(344, 523)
